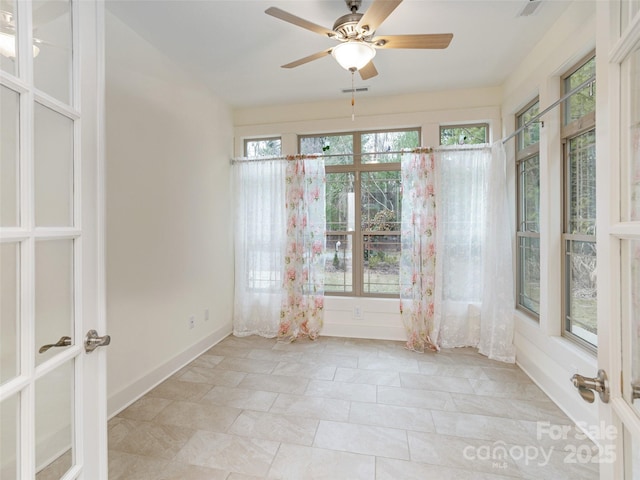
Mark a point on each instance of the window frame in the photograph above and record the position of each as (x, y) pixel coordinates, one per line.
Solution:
(568, 132)
(524, 155)
(358, 234)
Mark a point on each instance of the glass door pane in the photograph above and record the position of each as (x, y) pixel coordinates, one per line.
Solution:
(54, 422)
(53, 168)
(10, 438)
(9, 311)
(52, 34)
(54, 295)
(8, 43)
(9, 156)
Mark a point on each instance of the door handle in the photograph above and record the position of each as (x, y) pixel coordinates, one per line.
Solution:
(63, 342)
(587, 386)
(93, 341)
(635, 391)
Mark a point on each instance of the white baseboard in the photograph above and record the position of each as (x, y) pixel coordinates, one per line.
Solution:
(129, 394)
(358, 330)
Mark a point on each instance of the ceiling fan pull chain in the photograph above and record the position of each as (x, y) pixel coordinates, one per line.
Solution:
(353, 97)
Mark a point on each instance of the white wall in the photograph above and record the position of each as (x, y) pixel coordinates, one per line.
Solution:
(380, 318)
(542, 352)
(169, 245)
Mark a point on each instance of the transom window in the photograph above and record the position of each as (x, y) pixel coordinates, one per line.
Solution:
(464, 134)
(263, 147)
(363, 198)
(579, 232)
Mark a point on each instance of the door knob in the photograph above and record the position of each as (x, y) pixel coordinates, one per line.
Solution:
(587, 386)
(63, 342)
(93, 341)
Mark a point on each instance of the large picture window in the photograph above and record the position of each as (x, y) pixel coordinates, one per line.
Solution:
(363, 198)
(528, 208)
(579, 232)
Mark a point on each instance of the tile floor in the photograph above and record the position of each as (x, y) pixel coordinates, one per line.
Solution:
(337, 408)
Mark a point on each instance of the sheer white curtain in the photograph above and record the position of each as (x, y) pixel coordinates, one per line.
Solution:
(475, 303)
(260, 239)
(473, 291)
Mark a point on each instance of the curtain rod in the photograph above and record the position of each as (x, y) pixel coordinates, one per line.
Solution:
(553, 105)
(443, 148)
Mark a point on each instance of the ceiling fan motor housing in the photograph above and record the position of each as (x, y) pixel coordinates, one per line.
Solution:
(345, 26)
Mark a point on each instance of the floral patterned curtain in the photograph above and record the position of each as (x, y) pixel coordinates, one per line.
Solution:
(302, 310)
(418, 253)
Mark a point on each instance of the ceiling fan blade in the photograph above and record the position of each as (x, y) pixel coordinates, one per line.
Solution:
(308, 59)
(376, 14)
(436, 40)
(368, 71)
(300, 22)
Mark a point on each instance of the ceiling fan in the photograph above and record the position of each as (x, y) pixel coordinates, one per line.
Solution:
(355, 32)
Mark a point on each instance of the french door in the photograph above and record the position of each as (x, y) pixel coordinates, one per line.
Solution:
(618, 174)
(52, 391)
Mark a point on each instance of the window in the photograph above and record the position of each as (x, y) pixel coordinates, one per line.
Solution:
(464, 134)
(579, 225)
(528, 211)
(363, 194)
(262, 147)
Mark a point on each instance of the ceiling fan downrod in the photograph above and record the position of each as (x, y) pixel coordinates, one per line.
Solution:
(353, 5)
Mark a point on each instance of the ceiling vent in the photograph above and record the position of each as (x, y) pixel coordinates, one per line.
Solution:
(530, 8)
(355, 90)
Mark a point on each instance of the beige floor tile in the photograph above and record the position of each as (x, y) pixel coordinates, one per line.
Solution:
(458, 371)
(408, 418)
(126, 466)
(245, 410)
(207, 361)
(276, 427)
(464, 453)
(409, 397)
(228, 351)
(198, 416)
(250, 456)
(212, 376)
(305, 370)
(347, 437)
(174, 389)
(275, 355)
(436, 383)
(370, 377)
(388, 364)
(295, 462)
(483, 427)
(329, 359)
(521, 391)
(145, 408)
(148, 439)
(56, 469)
(391, 469)
(242, 398)
(274, 383)
(342, 391)
(247, 365)
(182, 471)
(311, 407)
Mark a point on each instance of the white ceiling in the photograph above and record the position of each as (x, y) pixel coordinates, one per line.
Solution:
(237, 50)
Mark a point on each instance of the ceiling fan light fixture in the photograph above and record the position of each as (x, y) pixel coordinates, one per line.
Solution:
(8, 46)
(353, 55)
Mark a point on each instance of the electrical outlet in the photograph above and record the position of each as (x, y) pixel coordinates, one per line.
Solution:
(357, 311)
(192, 321)
(206, 314)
